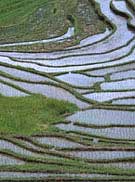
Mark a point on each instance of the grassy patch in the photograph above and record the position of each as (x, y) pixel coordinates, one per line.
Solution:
(77, 167)
(34, 20)
(32, 114)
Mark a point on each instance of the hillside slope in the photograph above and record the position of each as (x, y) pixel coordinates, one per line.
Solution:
(34, 20)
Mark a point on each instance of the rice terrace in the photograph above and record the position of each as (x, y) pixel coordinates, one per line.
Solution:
(67, 90)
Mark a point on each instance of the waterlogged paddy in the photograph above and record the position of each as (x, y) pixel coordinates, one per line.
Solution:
(6, 160)
(49, 91)
(126, 53)
(9, 91)
(57, 142)
(110, 70)
(14, 148)
(79, 80)
(123, 165)
(99, 155)
(92, 39)
(124, 101)
(109, 96)
(103, 117)
(9, 146)
(128, 84)
(24, 74)
(122, 7)
(122, 33)
(16, 175)
(123, 75)
(99, 71)
(122, 133)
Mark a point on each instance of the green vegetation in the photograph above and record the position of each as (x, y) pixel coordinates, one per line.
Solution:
(73, 166)
(34, 20)
(24, 121)
(31, 114)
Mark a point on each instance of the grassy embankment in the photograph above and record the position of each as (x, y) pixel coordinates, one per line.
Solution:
(34, 20)
(31, 114)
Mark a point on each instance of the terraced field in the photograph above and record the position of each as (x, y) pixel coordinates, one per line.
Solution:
(96, 140)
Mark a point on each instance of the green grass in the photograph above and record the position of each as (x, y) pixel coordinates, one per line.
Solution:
(78, 167)
(27, 20)
(31, 114)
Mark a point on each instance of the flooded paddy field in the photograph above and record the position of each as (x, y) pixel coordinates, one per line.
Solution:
(89, 133)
